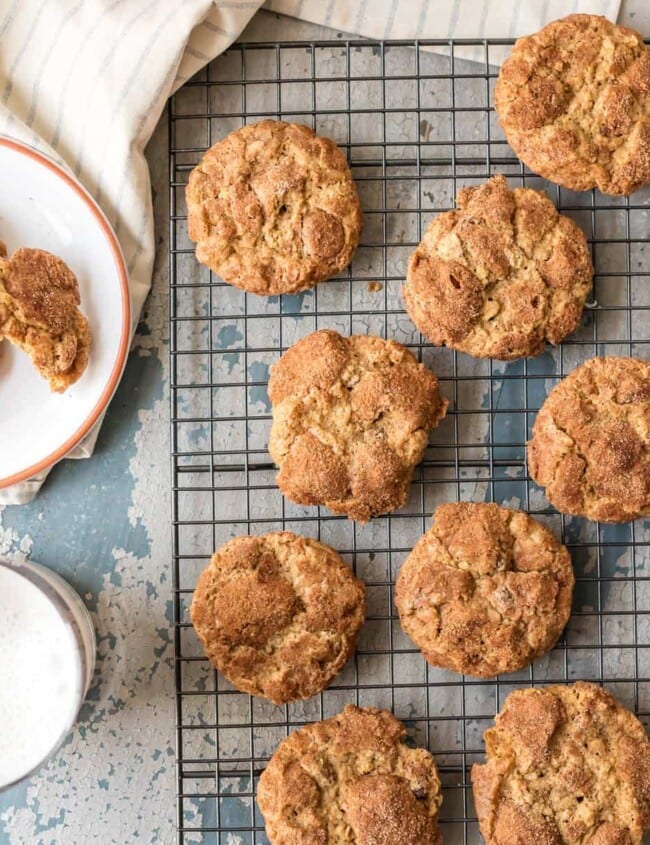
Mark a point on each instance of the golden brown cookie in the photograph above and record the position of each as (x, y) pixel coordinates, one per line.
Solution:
(590, 445)
(351, 779)
(500, 275)
(566, 765)
(273, 208)
(486, 590)
(278, 614)
(351, 419)
(39, 299)
(574, 102)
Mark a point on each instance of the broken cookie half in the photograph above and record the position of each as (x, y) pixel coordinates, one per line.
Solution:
(39, 313)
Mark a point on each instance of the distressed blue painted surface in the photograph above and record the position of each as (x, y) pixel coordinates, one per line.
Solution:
(75, 523)
(80, 514)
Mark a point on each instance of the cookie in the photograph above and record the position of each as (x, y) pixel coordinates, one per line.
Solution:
(566, 765)
(351, 779)
(278, 615)
(574, 103)
(273, 208)
(500, 275)
(590, 445)
(351, 419)
(39, 313)
(486, 590)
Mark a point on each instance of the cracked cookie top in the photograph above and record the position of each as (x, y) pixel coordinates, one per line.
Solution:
(39, 313)
(273, 208)
(574, 102)
(278, 614)
(500, 275)
(351, 419)
(590, 445)
(485, 590)
(566, 765)
(351, 779)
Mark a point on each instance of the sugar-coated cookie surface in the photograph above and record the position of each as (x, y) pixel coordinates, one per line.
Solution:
(351, 419)
(39, 313)
(574, 102)
(273, 208)
(278, 614)
(351, 779)
(590, 445)
(566, 765)
(500, 275)
(485, 590)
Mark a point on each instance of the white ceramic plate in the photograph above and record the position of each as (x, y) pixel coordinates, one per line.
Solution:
(41, 206)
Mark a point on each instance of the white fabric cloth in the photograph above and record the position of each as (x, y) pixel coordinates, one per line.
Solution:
(86, 82)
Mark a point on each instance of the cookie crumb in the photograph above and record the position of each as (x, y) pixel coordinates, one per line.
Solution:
(373, 287)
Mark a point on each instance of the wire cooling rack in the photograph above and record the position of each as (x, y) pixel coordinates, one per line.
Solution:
(417, 124)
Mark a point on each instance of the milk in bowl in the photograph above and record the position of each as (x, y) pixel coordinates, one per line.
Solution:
(47, 653)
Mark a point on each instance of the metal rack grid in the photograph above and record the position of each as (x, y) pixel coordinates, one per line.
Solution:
(416, 121)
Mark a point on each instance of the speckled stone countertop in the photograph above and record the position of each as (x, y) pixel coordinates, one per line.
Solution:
(104, 525)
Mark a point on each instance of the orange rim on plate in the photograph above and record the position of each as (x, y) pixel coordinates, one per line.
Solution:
(123, 349)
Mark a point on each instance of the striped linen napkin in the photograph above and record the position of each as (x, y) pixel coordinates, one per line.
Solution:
(86, 81)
